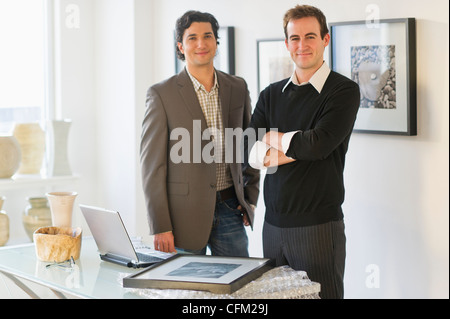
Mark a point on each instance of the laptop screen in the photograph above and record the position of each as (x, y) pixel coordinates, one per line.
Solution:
(109, 232)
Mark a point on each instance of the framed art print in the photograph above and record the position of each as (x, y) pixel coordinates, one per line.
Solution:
(274, 62)
(221, 275)
(381, 58)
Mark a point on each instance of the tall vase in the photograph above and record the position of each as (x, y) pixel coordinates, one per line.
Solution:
(4, 224)
(61, 207)
(31, 139)
(36, 215)
(10, 156)
(58, 131)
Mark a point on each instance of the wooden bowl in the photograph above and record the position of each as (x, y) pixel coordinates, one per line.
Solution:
(57, 244)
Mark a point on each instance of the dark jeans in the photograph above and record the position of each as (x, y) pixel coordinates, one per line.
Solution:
(228, 236)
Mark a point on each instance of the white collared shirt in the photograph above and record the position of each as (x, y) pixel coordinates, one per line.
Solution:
(317, 80)
(259, 149)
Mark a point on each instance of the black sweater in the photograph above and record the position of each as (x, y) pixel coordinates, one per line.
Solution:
(309, 191)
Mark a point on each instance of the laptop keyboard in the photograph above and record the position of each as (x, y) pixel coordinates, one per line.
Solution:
(147, 258)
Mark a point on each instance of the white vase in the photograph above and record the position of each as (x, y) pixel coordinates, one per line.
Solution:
(61, 207)
(4, 224)
(58, 131)
(31, 139)
(10, 156)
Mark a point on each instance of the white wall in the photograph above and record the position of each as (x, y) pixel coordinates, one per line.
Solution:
(123, 69)
(103, 73)
(115, 100)
(75, 92)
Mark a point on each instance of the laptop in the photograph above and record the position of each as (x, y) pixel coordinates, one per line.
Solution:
(113, 242)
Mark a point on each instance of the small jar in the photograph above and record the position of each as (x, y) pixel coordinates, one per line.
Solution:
(4, 224)
(37, 214)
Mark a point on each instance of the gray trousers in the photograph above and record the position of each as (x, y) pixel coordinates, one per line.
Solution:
(319, 250)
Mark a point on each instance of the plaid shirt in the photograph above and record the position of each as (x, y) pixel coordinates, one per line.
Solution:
(210, 104)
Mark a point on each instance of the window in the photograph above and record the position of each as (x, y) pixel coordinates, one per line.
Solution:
(22, 62)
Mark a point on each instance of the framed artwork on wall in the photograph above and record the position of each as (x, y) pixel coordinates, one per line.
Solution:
(381, 58)
(274, 62)
(225, 56)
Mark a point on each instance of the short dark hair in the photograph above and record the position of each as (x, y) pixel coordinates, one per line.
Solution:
(303, 11)
(185, 21)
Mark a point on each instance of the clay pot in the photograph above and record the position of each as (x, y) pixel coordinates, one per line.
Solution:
(31, 139)
(4, 224)
(36, 215)
(10, 156)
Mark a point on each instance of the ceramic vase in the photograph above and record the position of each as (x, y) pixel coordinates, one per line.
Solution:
(10, 156)
(61, 207)
(4, 224)
(58, 131)
(31, 139)
(36, 215)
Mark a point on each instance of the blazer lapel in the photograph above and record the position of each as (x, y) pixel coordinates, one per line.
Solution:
(225, 97)
(190, 99)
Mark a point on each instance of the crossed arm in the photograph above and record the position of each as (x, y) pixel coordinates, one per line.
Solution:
(274, 156)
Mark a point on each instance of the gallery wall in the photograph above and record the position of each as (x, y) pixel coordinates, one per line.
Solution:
(396, 208)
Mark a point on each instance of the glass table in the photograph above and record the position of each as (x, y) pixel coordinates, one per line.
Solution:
(90, 277)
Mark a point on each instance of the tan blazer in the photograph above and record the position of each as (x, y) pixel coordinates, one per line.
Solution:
(180, 197)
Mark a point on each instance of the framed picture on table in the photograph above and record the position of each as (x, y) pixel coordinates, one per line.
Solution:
(216, 274)
(225, 56)
(381, 58)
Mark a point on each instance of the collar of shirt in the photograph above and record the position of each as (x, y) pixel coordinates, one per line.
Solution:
(198, 85)
(317, 80)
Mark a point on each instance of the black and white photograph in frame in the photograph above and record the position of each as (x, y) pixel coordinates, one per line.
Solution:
(381, 58)
(203, 270)
(225, 55)
(216, 274)
(373, 68)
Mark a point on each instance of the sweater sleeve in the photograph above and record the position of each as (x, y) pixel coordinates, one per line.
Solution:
(334, 125)
(256, 129)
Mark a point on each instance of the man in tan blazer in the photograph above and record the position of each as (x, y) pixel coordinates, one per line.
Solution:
(196, 197)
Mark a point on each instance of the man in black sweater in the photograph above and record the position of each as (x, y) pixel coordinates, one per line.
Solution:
(308, 120)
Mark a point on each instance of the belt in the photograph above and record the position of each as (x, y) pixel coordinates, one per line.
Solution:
(227, 193)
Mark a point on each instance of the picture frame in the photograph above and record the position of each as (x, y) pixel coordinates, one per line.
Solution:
(216, 274)
(225, 59)
(380, 56)
(274, 62)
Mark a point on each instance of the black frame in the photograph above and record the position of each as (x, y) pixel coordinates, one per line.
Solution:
(240, 279)
(409, 99)
(225, 33)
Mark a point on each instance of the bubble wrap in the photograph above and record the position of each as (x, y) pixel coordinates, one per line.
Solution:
(278, 283)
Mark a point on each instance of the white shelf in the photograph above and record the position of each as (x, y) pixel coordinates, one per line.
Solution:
(34, 181)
